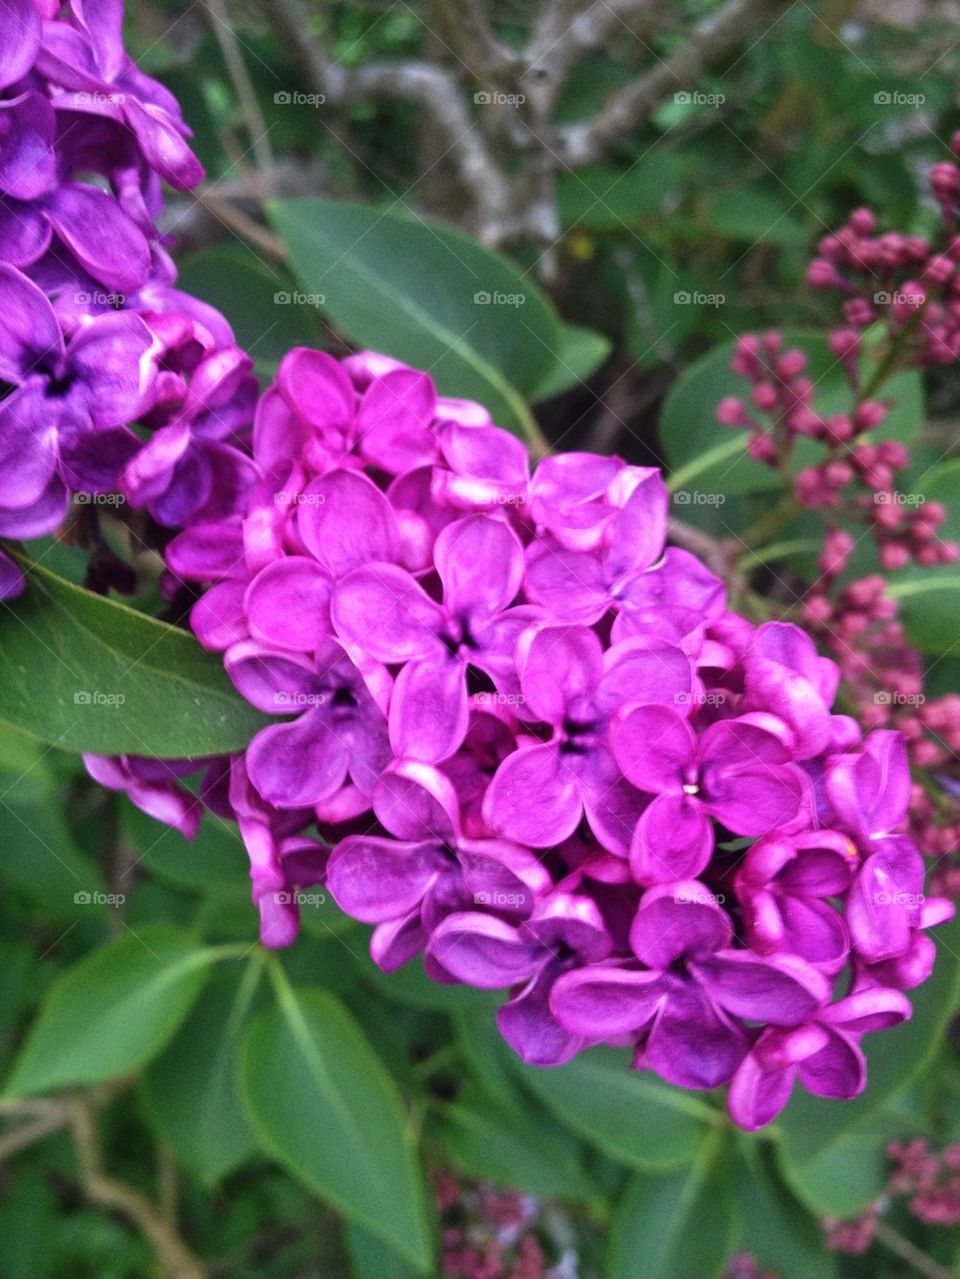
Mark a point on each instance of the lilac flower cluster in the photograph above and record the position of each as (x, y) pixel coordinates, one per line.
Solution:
(539, 749)
(95, 336)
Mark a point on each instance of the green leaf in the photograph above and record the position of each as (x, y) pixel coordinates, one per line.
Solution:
(40, 858)
(831, 1151)
(323, 1105)
(190, 1089)
(89, 674)
(929, 606)
(633, 1117)
(370, 1257)
(214, 859)
(778, 1230)
(111, 1013)
(267, 312)
(581, 353)
(503, 1146)
(712, 458)
(683, 1224)
(600, 197)
(415, 290)
(755, 217)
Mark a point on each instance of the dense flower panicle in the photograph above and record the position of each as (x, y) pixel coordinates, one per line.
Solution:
(522, 737)
(96, 336)
(514, 730)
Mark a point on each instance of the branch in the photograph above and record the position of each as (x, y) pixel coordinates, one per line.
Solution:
(468, 33)
(709, 41)
(178, 1261)
(434, 89)
(243, 86)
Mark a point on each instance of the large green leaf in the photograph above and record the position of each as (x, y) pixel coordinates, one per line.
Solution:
(683, 1224)
(581, 353)
(710, 458)
(267, 311)
(112, 1012)
(39, 857)
(322, 1103)
(215, 860)
(371, 1258)
(634, 1117)
(190, 1089)
(831, 1151)
(930, 597)
(506, 1147)
(428, 295)
(930, 607)
(777, 1229)
(89, 674)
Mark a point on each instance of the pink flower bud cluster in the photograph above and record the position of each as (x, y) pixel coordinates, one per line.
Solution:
(855, 477)
(900, 281)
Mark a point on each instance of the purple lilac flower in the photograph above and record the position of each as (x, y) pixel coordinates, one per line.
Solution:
(684, 1004)
(515, 731)
(548, 786)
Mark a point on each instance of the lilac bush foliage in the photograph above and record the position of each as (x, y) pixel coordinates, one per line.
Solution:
(522, 738)
(514, 731)
(95, 334)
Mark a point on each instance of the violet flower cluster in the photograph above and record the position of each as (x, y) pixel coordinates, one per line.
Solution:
(95, 335)
(521, 736)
